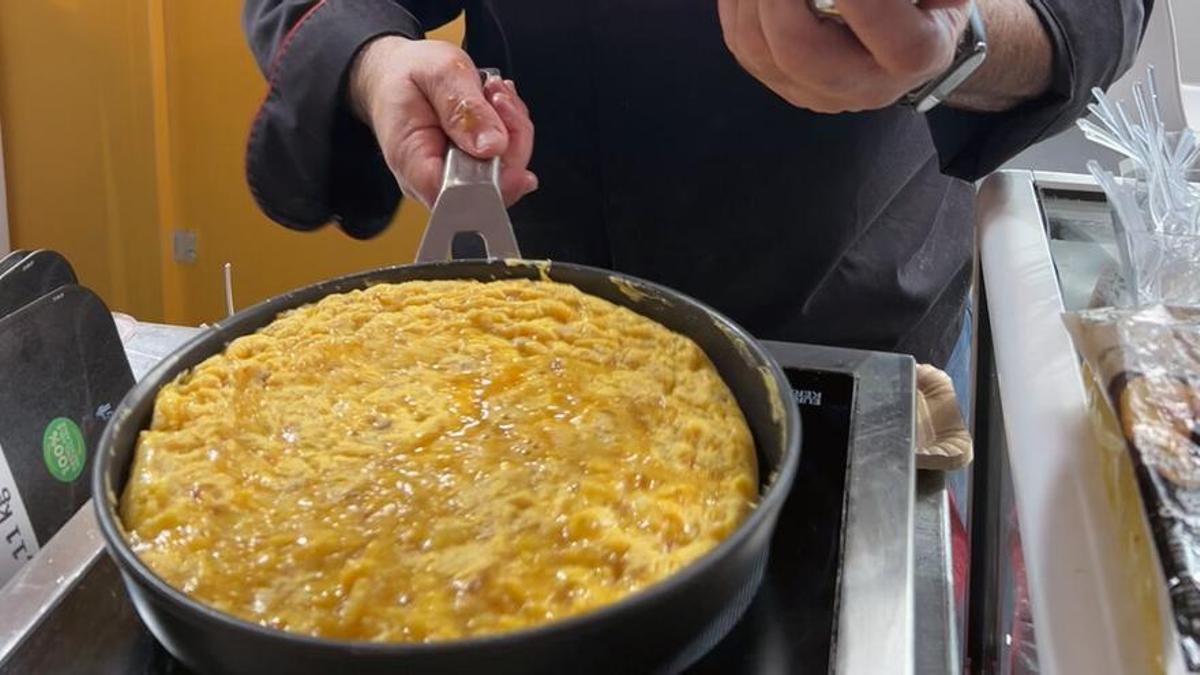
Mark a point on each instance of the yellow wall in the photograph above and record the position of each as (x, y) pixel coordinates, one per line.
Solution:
(134, 125)
(75, 101)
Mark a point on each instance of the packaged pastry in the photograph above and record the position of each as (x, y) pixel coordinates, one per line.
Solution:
(1147, 362)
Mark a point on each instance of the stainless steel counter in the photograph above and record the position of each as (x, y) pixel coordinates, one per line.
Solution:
(67, 611)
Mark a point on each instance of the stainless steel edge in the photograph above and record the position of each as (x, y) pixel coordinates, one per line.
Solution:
(880, 502)
(1055, 180)
(875, 621)
(936, 632)
(37, 588)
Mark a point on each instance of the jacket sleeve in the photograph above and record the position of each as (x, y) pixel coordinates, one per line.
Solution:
(309, 161)
(1094, 42)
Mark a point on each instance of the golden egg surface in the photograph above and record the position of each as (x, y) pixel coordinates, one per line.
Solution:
(433, 460)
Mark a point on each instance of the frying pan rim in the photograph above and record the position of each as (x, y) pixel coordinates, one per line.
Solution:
(768, 506)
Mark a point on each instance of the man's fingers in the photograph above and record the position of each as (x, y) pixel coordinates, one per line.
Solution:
(418, 158)
(452, 86)
(884, 48)
(412, 141)
(752, 46)
(494, 85)
(751, 42)
(417, 163)
(905, 39)
(942, 4)
(743, 37)
(821, 53)
(515, 180)
(424, 95)
(727, 14)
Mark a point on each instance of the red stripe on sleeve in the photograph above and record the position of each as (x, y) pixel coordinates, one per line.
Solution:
(283, 44)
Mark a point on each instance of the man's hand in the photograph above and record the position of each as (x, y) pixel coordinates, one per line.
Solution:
(416, 93)
(885, 49)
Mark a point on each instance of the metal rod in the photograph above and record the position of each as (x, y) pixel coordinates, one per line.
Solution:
(228, 270)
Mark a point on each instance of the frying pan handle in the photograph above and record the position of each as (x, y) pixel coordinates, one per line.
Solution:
(464, 169)
(470, 196)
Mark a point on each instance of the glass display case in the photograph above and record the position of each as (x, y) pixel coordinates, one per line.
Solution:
(1049, 591)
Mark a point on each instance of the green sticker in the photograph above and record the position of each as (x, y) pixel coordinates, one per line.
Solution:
(63, 450)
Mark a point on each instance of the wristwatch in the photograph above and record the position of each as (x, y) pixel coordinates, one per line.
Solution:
(969, 55)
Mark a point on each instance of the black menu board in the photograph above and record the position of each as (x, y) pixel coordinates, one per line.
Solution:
(29, 277)
(62, 372)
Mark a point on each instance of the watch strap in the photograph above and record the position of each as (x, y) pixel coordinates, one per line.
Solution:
(970, 53)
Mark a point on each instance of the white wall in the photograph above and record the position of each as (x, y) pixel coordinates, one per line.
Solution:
(1187, 31)
(1165, 32)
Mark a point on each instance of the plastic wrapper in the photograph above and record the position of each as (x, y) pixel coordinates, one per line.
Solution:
(1147, 363)
(1143, 357)
(1139, 562)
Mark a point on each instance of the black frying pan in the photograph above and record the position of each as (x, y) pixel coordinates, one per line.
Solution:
(662, 628)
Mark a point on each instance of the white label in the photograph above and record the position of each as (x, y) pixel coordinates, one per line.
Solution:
(18, 542)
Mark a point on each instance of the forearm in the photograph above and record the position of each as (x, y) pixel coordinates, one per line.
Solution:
(267, 23)
(308, 162)
(1019, 60)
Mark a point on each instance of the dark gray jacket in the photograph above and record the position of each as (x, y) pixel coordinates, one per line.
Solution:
(659, 156)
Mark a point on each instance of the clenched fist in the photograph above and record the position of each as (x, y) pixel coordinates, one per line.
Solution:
(885, 48)
(414, 94)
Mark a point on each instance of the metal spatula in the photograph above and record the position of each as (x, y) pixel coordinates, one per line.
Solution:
(470, 202)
